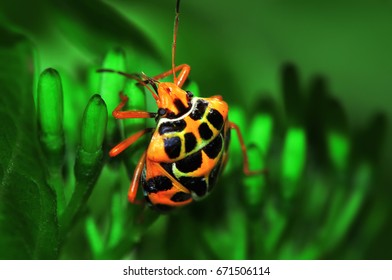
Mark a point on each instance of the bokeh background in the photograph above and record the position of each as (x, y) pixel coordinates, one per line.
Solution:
(308, 82)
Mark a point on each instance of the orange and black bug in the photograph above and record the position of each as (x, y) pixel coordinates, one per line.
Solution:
(189, 145)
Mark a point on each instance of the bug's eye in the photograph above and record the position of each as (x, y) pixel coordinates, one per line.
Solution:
(162, 111)
(189, 94)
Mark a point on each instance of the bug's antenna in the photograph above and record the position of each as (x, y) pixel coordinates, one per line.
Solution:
(176, 19)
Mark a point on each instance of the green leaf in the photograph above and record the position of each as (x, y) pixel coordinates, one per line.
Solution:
(28, 222)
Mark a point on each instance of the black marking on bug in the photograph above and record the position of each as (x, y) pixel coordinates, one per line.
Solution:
(172, 126)
(170, 115)
(168, 167)
(180, 106)
(213, 149)
(190, 163)
(215, 118)
(172, 146)
(190, 142)
(199, 110)
(197, 185)
(189, 94)
(157, 184)
(205, 131)
(162, 111)
(180, 197)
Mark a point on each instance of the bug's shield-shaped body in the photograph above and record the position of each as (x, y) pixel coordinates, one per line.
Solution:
(186, 154)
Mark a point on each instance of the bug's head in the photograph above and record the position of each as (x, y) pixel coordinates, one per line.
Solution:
(172, 101)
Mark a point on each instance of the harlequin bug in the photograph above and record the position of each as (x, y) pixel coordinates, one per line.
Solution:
(189, 145)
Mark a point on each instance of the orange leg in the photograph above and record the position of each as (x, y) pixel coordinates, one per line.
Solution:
(244, 153)
(128, 142)
(181, 78)
(118, 114)
(136, 179)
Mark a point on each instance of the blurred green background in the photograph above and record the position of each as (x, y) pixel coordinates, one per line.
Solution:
(308, 82)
